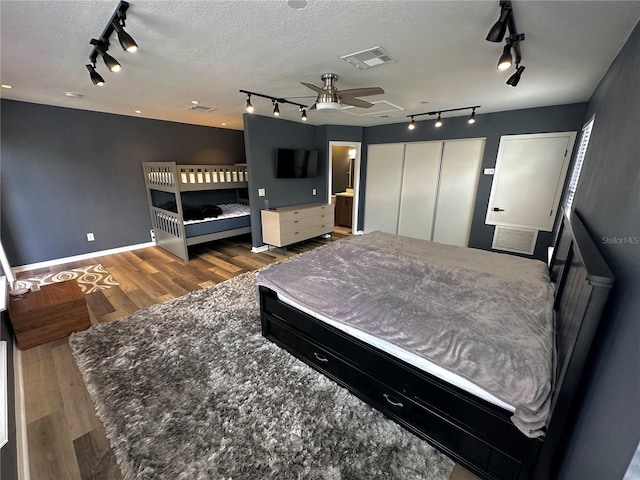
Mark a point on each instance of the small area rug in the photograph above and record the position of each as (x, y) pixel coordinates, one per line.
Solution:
(190, 389)
(90, 279)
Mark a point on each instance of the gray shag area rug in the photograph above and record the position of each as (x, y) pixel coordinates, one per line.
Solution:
(190, 389)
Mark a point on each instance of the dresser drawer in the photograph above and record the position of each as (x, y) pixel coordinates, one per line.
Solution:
(305, 233)
(302, 223)
(303, 212)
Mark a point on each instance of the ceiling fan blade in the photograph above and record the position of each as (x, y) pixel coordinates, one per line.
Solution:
(312, 87)
(355, 102)
(361, 92)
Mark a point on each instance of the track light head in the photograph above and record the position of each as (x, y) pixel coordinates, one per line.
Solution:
(249, 107)
(496, 34)
(96, 78)
(506, 60)
(438, 123)
(412, 124)
(111, 63)
(126, 41)
(101, 46)
(472, 118)
(304, 115)
(276, 110)
(515, 78)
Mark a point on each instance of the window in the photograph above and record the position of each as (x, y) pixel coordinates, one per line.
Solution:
(577, 167)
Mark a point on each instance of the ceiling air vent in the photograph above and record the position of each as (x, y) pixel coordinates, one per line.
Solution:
(201, 108)
(371, 57)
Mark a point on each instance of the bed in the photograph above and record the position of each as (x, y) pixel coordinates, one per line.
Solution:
(194, 204)
(496, 402)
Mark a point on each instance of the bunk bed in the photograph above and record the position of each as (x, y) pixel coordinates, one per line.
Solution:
(194, 204)
(342, 323)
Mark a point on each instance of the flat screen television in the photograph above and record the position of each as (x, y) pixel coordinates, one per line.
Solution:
(296, 163)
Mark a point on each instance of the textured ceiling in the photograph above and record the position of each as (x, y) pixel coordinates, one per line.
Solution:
(208, 50)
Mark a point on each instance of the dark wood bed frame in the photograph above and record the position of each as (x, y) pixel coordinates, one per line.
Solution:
(475, 433)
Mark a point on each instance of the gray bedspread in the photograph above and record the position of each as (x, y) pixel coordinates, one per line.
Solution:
(484, 316)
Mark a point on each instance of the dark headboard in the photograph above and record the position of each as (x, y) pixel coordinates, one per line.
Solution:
(582, 284)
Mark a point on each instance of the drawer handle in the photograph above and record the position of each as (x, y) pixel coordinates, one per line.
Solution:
(321, 358)
(389, 398)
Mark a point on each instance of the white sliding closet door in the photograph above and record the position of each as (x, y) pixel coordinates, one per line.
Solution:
(383, 187)
(419, 189)
(461, 162)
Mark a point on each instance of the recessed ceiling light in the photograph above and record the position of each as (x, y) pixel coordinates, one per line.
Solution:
(195, 102)
(73, 94)
(297, 4)
(224, 124)
(138, 111)
(4, 85)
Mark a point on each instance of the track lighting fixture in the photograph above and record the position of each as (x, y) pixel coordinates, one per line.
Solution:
(506, 59)
(496, 34)
(249, 107)
(276, 104)
(126, 41)
(515, 78)
(512, 46)
(96, 78)
(471, 120)
(101, 45)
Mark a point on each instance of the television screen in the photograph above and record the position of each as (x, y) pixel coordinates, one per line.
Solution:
(292, 163)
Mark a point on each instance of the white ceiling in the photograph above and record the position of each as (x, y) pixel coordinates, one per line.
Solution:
(208, 50)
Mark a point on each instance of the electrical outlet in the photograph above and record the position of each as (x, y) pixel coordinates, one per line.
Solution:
(153, 235)
(90, 237)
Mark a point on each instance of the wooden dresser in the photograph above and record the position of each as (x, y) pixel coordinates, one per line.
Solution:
(286, 225)
(53, 312)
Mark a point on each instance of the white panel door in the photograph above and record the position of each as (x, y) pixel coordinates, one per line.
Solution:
(419, 189)
(461, 162)
(383, 187)
(528, 181)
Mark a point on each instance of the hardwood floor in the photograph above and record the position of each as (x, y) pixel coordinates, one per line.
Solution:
(65, 438)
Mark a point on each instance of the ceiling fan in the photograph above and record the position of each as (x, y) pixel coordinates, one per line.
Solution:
(329, 98)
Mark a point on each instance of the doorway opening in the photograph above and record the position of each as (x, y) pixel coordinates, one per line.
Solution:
(344, 183)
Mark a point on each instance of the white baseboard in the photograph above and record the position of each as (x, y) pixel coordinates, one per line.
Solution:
(22, 444)
(77, 258)
(263, 248)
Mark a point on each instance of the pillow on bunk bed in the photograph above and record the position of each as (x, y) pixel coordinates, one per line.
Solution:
(193, 213)
(209, 211)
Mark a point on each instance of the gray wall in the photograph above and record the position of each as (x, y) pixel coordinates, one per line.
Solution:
(263, 136)
(607, 428)
(491, 126)
(67, 172)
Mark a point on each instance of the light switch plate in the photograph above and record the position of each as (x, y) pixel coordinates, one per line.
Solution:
(262, 192)
(489, 171)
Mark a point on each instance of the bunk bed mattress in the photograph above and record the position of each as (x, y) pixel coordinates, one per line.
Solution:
(234, 215)
(480, 317)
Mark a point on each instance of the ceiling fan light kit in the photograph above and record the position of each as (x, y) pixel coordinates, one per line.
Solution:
(505, 22)
(329, 97)
(101, 44)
